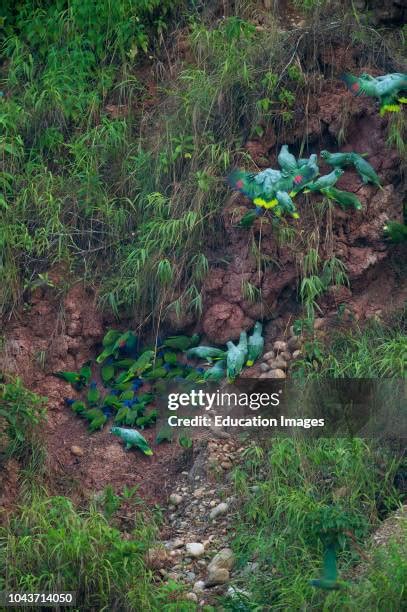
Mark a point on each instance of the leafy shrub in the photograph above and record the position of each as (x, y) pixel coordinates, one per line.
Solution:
(21, 412)
(48, 545)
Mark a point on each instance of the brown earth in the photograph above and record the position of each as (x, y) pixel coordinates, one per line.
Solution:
(60, 332)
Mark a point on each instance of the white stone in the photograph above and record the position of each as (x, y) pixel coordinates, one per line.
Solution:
(199, 586)
(175, 499)
(195, 549)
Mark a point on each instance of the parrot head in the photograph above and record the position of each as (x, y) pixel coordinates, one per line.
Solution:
(324, 154)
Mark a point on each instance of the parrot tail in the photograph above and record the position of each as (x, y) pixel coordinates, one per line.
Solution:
(249, 363)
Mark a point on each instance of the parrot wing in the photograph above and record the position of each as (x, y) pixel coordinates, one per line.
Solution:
(360, 86)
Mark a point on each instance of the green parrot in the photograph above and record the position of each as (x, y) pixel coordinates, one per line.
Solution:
(250, 217)
(395, 232)
(205, 352)
(337, 160)
(170, 357)
(132, 438)
(328, 581)
(142, 364)
(344, 198)
(386, 88)
(147, 420)
(107, 373)
(98, 422)
(111, 401)
(86, 372)
(126, 395)
(365, 170)
(93, 395)
(285, 205)
(257, 187)
(125, 342)
(156, 373)
(305, 174)
(236, 357)
(110, 337)
(74, 378)
(123, 414)
(216, 372)
(79, 407)
(255, 344)
(326, 181)
(165, 434)
(286, 160)
(181, 343)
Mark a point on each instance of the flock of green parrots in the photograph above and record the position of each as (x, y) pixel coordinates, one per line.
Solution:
(275, 189)
(132, 379)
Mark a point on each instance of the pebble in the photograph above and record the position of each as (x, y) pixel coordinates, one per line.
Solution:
(221, 508)
(177, 543)
(218, 576)
(319, 323)
(192, 597)
(175, 499)
(195, 549)
(225, 559)
(264, 367)
(279, 346)
(77, 451)
(227, 465)
(277, 374)
(286, 355)
(278, 364)
(296, 354)
(199, 585)
(294, 343)
(269, 355)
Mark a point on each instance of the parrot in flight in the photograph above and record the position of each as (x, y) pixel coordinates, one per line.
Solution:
(328, 580)
(386, 88)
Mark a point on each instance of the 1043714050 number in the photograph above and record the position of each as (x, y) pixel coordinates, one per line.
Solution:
(8, 599)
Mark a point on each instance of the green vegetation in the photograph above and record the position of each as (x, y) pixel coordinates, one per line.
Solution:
(377, 350)
(292, 491)
(49, 545)
(21, 414)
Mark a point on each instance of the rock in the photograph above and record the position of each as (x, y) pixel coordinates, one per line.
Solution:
(175, 499)
(220, 509)
(192, 597)
(277, 363)
(224, 321)
(177, 543)
(269, 355)
(199, 493)
(280, 346)
(190, 576)
(319, 323)
(195, 549)
(156, 558)
(264, 367)
(77, 451)
(226, 465)
(286, 355)
(277, 374)
(294, 343)
(225, 559)
(199, 586)
(219, 575)
(296, 354)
